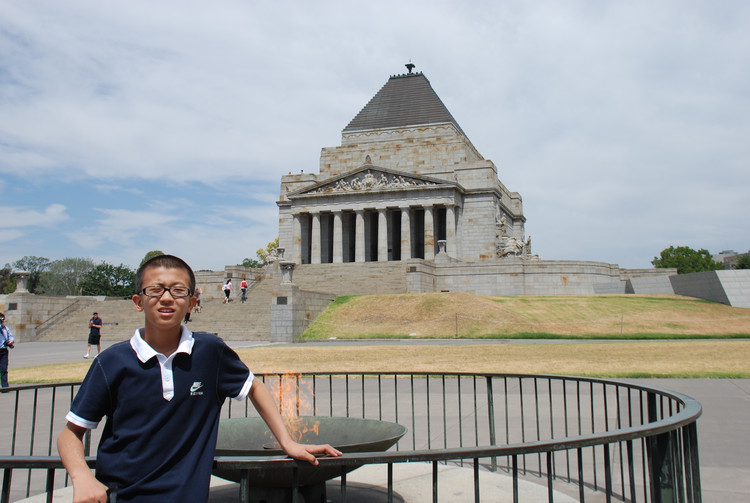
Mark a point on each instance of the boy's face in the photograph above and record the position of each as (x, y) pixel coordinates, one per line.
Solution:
(164, 312)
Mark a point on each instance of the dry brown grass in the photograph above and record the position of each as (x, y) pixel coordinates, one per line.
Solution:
(466, 315)
(623, 359)
(724, 358)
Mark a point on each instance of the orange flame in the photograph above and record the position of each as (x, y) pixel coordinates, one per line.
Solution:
(292, 390)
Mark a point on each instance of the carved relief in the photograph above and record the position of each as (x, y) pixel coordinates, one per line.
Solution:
(369, 181)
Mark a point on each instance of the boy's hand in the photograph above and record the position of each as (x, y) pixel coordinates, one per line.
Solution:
(89, 490)
(306, 452)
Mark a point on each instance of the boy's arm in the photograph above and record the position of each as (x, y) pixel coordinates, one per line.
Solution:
(264, 403)
(86, 488)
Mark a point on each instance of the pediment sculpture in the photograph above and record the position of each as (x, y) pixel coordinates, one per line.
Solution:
(372, 180)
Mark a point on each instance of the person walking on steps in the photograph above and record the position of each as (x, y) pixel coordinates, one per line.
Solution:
(95, 335)
(227, 290)
(243, 287)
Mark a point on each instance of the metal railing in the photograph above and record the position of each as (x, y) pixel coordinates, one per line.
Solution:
(589, 439)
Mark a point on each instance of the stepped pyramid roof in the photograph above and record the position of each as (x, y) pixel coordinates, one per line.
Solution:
(405, 100)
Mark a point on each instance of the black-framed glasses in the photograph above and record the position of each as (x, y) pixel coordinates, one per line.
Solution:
(177, 292)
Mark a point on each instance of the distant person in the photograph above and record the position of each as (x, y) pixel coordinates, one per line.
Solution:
(162, 393)
(95, 335)
(243, 287)
(6, 342)
(198, 293)
(227, 290)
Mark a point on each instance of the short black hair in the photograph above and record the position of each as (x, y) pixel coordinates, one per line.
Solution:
(168, 262)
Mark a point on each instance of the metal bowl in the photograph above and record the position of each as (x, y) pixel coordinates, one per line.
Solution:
(248, 436)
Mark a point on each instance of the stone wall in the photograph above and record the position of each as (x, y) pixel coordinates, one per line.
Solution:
(736, 284)
(515, 276)
(293, 310)
(508, 276)
(727, 287)
(352, 278)
(26, 314)
(423, 149)
(656, 285)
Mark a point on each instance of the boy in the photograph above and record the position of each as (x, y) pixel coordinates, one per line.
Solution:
(162, 393)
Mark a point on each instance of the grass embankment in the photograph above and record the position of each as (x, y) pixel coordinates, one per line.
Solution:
(458, 315)
(616, 318)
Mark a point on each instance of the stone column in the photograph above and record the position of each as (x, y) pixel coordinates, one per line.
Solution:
(429, 234)
(405, 234)
(296, 252)
(315, 239)
(450, 231)
(338, 242)
(359, 238)
(382, 236)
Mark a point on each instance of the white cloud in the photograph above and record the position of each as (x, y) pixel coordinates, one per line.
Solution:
(24, 217)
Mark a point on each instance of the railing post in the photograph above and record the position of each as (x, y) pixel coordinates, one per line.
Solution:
(7, 475)
(87, 443)
(692, 467)
(660, 460)
(491, 418)
(50, 488)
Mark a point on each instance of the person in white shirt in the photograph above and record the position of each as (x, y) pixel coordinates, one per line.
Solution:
(227, 290)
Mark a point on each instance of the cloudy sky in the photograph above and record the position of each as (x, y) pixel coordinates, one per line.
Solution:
(132, 126)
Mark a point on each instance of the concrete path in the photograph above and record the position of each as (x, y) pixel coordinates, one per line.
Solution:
(723, 429)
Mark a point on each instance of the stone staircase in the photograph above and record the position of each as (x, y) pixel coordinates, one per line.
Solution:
(247, 321)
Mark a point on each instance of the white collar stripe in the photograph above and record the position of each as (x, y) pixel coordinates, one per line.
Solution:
(145, 352)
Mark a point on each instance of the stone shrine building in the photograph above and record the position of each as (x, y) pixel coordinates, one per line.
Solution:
(405, 182)
(406, 204)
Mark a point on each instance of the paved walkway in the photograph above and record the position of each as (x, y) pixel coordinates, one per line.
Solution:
(723, 429)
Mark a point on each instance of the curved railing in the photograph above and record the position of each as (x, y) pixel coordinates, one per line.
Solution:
(585, 438)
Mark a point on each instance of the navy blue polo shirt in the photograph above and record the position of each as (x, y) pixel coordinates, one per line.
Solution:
(162, 414)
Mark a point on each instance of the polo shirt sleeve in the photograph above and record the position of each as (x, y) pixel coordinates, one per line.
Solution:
(235, 379)
(92, 400)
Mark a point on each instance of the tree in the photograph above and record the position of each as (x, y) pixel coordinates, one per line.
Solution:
(686, 260)
(150, 255)
(253, 263)
(743, 261)
(7, 282)
(63, 276)
(110, 280)
(262, 254)
(32, 264)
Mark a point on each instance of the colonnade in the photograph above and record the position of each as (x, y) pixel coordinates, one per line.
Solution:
(370, 235)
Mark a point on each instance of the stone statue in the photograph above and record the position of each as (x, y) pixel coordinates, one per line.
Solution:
(505, 244)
